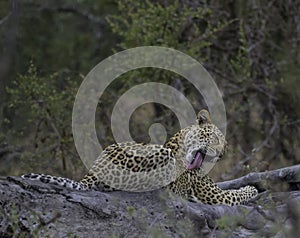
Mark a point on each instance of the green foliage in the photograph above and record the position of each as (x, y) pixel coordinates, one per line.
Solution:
(226, 222)
(43, 97)
(15, 228)
(240, 62)
(131, 210)
(230, 222)
(62, 39)
(46, 105)
(175, 25)
(171, 24)
(250, 48)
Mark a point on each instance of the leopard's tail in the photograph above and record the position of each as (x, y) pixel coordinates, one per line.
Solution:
(64, 182)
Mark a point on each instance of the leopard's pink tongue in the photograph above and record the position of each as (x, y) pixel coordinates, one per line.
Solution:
(196, 162)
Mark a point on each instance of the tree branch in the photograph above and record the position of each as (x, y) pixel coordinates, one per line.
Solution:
(286, 175)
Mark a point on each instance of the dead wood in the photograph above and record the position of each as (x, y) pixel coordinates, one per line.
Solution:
(33, 209)
(266, 180)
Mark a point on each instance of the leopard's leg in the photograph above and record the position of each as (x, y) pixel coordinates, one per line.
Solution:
(97, 174)
(92, 181)
(203, 189)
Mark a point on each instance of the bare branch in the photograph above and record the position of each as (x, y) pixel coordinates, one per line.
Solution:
(4, 19)
(288, 175)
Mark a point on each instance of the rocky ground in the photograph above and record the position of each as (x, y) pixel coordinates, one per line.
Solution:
(33, 209)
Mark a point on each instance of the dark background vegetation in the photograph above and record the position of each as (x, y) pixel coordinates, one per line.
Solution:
(251, 48)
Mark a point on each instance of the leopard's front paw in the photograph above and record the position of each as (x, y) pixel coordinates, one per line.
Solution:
(250, 191)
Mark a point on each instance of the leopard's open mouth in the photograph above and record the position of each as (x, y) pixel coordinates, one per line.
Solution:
(197, 160)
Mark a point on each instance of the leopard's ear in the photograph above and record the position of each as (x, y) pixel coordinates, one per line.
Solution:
(203, 117)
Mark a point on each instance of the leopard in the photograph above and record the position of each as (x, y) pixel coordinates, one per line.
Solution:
(179, 165)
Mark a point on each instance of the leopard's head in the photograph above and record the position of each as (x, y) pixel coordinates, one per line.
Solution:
(204, 143)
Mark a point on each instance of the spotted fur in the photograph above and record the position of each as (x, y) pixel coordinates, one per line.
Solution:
(137, 166)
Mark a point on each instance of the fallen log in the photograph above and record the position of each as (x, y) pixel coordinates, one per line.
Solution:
(33, 209)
